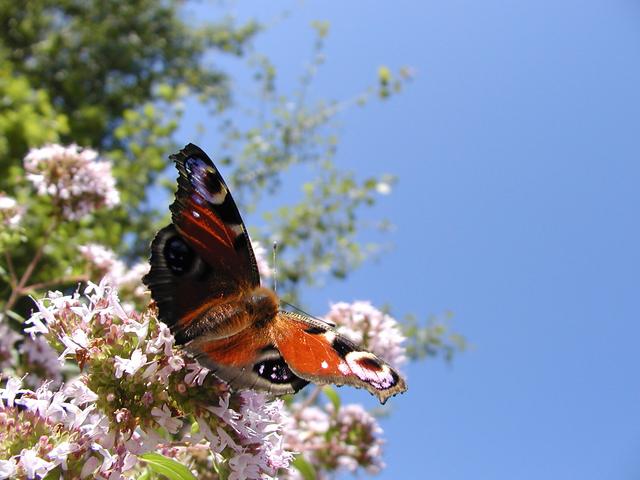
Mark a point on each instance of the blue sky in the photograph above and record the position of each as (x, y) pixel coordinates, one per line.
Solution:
(517, 151)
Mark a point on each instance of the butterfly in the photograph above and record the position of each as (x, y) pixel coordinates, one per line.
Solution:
(205, 282)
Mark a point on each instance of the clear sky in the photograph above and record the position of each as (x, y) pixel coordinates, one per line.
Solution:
(517, 208)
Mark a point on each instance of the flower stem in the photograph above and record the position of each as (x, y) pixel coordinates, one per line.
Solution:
(18, 290)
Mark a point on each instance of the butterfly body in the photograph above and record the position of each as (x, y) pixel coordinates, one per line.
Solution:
(205, 282)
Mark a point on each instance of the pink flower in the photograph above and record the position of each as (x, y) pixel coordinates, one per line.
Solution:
(164, 419)
(131, 365)
(33, 465)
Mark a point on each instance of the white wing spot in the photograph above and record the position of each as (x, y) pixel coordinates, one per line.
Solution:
(195, 214)
(324, 364)
(237, 228)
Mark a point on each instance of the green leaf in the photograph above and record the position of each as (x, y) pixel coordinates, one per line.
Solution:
(305, 468)
(332, 395)
(166, 466)
(16, 316)
(384, 75)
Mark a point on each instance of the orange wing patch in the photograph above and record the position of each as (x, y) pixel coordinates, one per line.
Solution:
(237, 350)
(315, 352)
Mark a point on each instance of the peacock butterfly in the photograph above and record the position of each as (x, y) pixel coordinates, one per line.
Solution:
(205, 282)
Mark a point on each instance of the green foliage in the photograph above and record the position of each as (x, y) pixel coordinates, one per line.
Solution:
(167, 467)
(27, 118)
(433, 338)
(305, 468)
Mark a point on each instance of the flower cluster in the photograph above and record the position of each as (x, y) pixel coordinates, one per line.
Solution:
(77, 183)
(145, 396)
(42, 430)
(344, 439)
(104, 263)
(41, 361)
(10, 212)
(371, 328)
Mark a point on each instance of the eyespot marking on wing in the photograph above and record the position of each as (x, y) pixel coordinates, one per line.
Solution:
(275, 370)
(178, 255)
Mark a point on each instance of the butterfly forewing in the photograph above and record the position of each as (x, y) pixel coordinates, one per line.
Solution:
(208, 219)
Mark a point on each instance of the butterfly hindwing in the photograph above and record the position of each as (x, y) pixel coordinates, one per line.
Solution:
(314, 351)
(247, 360)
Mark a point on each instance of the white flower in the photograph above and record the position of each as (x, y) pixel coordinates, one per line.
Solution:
(33, 465)
(77, 341)
(244, 467)
(10, 391)
(7, 468)
(60, 453)
(77, 183)
(163, 342)
(79, 393)
(89, 467)
(164, 418)
(131, 365)
(197, 374)
(10, 212)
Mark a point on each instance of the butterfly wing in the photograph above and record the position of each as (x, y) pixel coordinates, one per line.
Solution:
(205, 255)
(206, 216)
(247, 360)
(315, 352)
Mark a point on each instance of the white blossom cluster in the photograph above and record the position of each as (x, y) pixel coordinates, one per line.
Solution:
(76, 181)
(10, 212)
(346, 439)
(138, 386)
(50, 430)
(374, 330)
(105, 264)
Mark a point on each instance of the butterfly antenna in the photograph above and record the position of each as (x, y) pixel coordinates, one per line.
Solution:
(275, 266)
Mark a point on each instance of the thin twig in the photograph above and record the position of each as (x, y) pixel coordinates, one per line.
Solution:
(61, 281)
(13, 278)
(18, 290)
